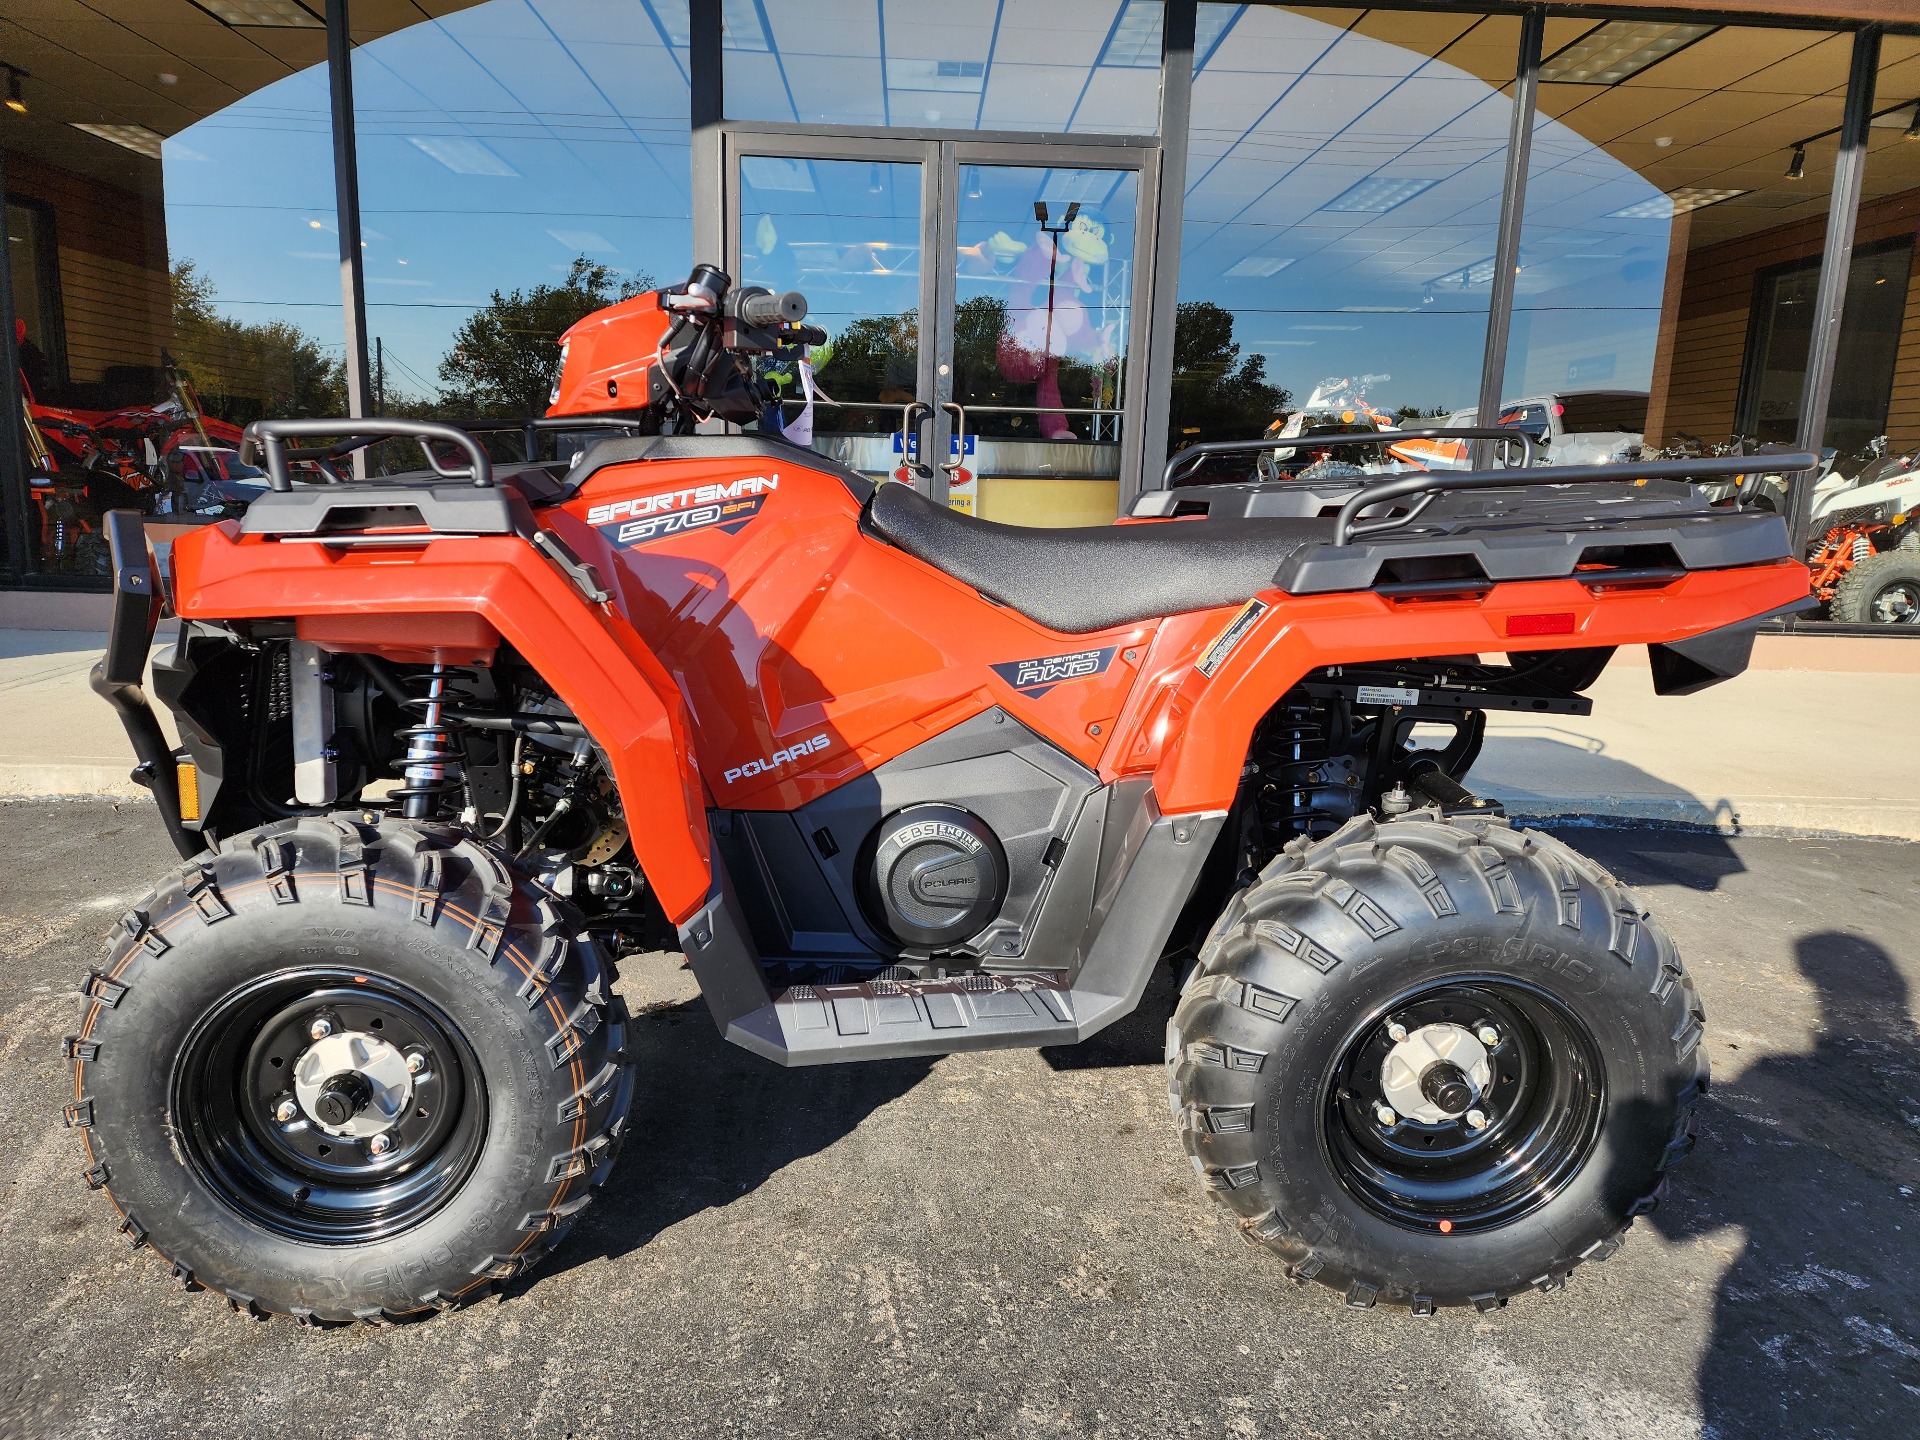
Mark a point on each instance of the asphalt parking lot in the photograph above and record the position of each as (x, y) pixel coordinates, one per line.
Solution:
(1012, 1244)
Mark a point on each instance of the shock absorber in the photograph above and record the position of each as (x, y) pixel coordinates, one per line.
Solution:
(432, 766)
(1292, 747)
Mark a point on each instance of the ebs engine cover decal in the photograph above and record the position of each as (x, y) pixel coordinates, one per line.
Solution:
(646, 518)
(1036, 677)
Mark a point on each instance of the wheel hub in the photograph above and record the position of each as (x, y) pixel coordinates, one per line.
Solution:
(353, 1084)
(1436, 1074)
(1898, 604)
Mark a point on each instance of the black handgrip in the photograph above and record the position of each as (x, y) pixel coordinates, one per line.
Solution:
(764, 308)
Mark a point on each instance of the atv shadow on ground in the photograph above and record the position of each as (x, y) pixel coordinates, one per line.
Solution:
(1798, 1152)
(711, 1122)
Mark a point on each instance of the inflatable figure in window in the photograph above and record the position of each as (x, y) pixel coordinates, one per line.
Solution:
(1048, 320)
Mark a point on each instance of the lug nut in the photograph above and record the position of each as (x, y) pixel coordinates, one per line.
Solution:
(320, 1028)
(1384, 1114)
(380, 1144)
(416, 1062)
(1488, 1036)
(1396, 1032)
(1476, 1119)
(286, 1112)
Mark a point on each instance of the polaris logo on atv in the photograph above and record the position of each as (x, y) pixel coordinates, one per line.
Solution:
(777, 759)
(1036, 677)
(643, 518)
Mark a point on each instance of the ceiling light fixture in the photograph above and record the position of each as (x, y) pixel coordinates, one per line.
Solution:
(262, 13)
(16, 100)
(1686, 198)
(1618, 50)
(137, 138)
(1376, 195)
(1797, 167)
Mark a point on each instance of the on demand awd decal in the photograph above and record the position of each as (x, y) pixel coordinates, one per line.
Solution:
(1036, 677)
(675, 512)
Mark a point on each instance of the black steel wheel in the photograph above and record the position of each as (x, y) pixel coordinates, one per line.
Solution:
(1517, 1134)
(256, 1133)
(1435, 1061)
(349, 1070)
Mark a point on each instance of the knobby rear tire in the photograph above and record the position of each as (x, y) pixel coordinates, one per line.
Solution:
(424, 913)
(1336, 933)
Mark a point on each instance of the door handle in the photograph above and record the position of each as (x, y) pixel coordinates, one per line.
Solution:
(913, 418)
(959, 437)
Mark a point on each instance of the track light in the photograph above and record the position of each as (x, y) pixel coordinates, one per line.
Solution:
(1797, 167)
(16, 101)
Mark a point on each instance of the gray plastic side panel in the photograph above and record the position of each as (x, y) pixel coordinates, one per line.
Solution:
(1157, 861)
(719, 947)
(1022, 785)
(455, 508)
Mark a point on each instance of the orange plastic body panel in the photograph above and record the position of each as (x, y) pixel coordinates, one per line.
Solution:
(589, 654)
(446, 637)
(760, 650)
(606, 361)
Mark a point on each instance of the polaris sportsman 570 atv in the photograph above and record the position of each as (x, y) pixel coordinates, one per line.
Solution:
(904, 782)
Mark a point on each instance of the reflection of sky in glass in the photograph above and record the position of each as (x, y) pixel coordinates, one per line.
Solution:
(1341, 191)
(1343, 197)
(495, 145)
(249, 193)
(1089, 66)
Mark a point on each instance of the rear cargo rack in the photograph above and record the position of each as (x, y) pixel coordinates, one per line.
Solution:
(1430, 484)
(1190, 458)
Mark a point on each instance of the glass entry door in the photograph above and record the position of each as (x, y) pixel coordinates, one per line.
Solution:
(1016, 401)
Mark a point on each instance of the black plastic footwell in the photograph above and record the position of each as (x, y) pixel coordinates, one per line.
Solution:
(879, 1019)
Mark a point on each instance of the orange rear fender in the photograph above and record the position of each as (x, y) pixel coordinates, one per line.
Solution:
(594, 660)
(1193, 733)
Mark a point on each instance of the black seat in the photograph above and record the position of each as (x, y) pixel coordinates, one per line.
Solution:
(1076, 581)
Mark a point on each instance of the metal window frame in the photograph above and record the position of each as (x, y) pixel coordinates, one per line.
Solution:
(940, 154)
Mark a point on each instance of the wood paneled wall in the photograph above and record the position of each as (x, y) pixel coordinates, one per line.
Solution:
(1716, 301)
(113, 264)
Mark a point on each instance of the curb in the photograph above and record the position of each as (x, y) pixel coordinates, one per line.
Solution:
(1853, 820)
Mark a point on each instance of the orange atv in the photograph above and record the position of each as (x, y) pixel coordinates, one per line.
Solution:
(898, 782)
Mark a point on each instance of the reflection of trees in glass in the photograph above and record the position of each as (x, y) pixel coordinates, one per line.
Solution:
(504, 357)
(875, 358)
(250, 372)
(1217, 395)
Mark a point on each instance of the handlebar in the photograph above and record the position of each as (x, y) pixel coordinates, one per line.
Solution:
(764, 309)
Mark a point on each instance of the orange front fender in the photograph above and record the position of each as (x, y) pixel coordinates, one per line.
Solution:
(594, 660)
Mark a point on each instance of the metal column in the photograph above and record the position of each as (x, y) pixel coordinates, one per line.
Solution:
(1830, 301)
(13, 440)
(1176, 111)
(705, 72)
(1506, 248)
(346, 196)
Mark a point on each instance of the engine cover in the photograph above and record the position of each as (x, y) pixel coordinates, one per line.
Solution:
(933, 875)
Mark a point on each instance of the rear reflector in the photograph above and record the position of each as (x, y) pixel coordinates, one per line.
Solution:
(189, 790)
(1559, 622)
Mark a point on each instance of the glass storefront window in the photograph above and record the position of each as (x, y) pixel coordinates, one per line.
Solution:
(1862, 540)
(846, 233)
(1072, 66)
(522, 163)
(1671, 239)
(1343, 195)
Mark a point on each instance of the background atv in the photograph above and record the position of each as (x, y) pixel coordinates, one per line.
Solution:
(901, 782)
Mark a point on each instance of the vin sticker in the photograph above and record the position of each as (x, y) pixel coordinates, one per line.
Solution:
(1231, 637)
(1385, 695)
(1036, 677)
